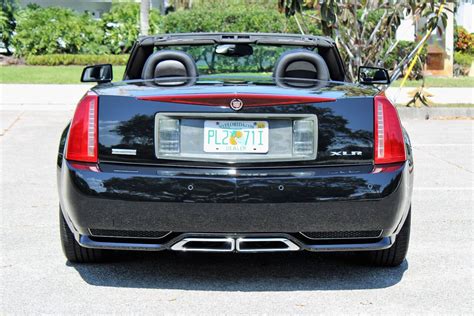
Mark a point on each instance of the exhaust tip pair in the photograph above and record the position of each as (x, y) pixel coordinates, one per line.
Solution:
(241, 244)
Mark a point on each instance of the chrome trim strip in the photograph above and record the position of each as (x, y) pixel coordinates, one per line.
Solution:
(384, 243)
(290, 246)
(306, 236)
(131, 237)
(127, 152)
(181, 245)
(87, 242)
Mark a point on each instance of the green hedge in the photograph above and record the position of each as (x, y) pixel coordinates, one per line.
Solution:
(55, 30)
(463, 59)
(75, 59)
(225, 17)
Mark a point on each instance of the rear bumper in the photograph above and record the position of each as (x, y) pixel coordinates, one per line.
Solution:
(169, 244)
(229, 201)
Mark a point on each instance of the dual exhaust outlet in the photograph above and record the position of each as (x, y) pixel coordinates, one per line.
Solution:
(241, 244)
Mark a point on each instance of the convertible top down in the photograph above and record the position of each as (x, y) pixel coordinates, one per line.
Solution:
(220, 142)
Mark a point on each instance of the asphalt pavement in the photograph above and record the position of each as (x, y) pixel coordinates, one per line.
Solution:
(437, 276)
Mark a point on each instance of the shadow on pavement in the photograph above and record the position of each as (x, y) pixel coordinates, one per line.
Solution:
(299, 271)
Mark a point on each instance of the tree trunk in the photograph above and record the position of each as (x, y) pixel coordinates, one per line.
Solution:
(144, 17)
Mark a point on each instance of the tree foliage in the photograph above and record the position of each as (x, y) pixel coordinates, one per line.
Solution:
(7, 22)
(404, 48)
(122, 26)
(364, 30)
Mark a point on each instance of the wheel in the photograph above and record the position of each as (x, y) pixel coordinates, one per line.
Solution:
(71, 248)
(393, 256)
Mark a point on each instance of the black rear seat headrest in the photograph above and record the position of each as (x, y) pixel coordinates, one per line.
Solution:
(301, 64)
(169, 63)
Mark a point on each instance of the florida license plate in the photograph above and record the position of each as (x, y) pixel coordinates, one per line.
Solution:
(236, 136)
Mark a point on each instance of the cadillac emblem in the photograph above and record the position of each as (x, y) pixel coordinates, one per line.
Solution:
(236, 104)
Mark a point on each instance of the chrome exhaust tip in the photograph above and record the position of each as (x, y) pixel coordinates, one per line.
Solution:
(265, 245)
(205, 244)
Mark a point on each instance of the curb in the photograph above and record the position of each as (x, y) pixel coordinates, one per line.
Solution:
(426, 113)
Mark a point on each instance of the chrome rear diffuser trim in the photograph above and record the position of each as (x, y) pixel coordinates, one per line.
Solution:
(245, 245)
(241, 244)
(205, 244)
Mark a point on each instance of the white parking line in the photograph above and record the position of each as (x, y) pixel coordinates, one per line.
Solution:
(443, 188)
(442, 145)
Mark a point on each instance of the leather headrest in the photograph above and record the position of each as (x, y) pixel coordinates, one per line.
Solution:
(301, 64)
(169, 63)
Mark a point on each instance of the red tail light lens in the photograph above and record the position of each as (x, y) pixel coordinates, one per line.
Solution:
(82, 141)
(389, 143)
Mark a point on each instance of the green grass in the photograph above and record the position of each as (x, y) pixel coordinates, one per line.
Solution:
(72, 74)
(60, 74)
(47, 74)
(442, 82)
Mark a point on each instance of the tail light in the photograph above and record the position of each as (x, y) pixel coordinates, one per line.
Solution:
(82, 140)
(389, 143)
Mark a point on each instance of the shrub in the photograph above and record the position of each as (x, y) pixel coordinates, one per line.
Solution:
(76, 59)
(464, 51)
(462, 63)
(122, 26)
(56, 30)
(463, 41)
(222, 16)
(463, 59)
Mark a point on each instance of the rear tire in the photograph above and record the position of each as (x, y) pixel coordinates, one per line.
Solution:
(395, 255)
(71, 248)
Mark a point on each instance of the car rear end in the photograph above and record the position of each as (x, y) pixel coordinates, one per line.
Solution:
(232, 167)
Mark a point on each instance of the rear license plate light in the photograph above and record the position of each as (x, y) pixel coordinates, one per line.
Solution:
(303, 137)
(168, 136)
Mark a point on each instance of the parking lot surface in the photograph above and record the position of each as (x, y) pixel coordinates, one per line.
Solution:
(437, 276)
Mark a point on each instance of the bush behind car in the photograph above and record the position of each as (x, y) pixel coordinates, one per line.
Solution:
(55, 30)
(75, 59)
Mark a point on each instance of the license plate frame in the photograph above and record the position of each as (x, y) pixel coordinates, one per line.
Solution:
(236, 136)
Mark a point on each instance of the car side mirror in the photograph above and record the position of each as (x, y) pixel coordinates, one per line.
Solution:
(373, 75)
(97, 73)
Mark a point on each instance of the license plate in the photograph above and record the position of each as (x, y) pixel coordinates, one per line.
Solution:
(236, 136)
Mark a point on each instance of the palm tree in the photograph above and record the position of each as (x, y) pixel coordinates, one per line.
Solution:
(364, 30)
(144, 17)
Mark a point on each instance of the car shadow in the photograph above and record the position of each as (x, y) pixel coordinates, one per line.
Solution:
(239, 272)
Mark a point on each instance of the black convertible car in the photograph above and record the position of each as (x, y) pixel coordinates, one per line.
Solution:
(235, 143)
